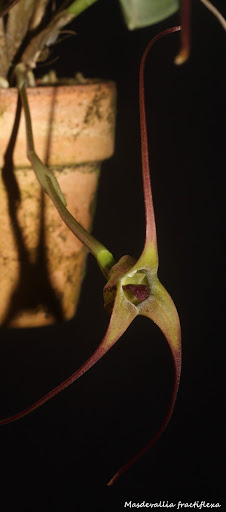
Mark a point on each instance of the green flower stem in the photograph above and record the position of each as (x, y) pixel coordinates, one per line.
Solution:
(79, 6)
(51, 186)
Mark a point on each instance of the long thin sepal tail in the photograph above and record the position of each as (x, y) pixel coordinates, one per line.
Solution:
(161, 309)
(122, 315)
(148, 201)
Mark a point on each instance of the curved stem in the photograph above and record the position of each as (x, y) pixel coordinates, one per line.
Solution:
(51, 186)
(104, 257)
(215, 12)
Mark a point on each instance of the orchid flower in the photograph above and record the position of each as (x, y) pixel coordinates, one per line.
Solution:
(133, 287)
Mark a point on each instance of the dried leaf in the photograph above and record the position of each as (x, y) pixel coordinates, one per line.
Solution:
(45, 38)
(4, 62)
(17, 25)
(5, 6)
(39, 11)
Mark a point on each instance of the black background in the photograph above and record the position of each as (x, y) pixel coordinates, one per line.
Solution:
(60, 457)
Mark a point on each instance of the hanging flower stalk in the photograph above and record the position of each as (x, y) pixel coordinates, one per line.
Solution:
(133, 287)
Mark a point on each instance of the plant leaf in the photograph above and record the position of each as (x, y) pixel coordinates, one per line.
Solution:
(141, 13)
(78, 6)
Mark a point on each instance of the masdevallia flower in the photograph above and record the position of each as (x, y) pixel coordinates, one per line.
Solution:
(133, 287)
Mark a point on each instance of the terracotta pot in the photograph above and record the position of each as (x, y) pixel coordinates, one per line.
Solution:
(41, 262)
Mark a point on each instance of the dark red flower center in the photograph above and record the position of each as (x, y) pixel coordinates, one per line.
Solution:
(140, 291)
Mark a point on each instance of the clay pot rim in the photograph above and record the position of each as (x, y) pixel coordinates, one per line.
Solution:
(91, 84)
(68, 108)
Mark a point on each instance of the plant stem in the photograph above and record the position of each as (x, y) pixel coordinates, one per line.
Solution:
(51, 186)
(215, 12)
(185, 33)
(50, 32)
(38, 13)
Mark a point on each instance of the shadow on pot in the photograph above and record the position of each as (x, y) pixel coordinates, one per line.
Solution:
(33, 287)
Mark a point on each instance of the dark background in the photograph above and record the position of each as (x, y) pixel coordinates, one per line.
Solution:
(60, 457)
